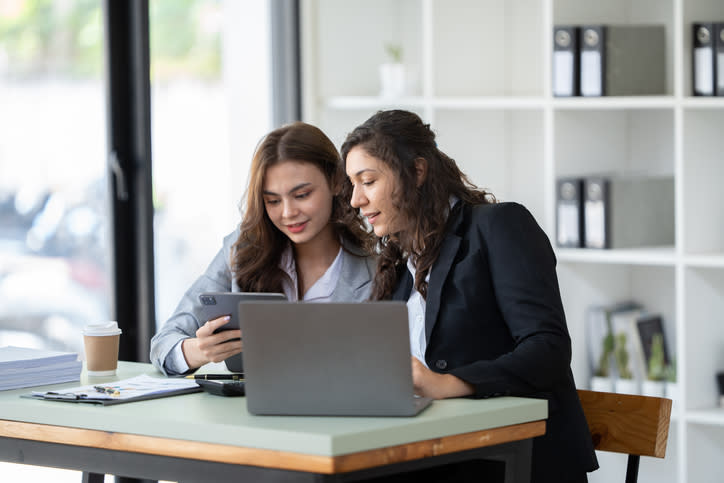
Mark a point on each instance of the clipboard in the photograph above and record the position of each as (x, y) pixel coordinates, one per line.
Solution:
(139, 388)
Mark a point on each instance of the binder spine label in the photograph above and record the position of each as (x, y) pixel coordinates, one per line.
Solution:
(569, 213)
(591, 73)
(593, 64)
(596, 213)
(562, 73)
(565, 61)
(703, 60)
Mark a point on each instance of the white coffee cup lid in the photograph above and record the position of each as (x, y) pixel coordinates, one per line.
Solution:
(102, 328)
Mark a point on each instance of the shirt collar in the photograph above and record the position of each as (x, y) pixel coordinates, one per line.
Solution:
(322, 288)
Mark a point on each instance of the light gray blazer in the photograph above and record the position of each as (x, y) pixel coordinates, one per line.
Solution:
(354, 285)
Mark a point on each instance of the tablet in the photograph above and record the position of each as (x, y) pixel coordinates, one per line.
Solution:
(217, 304)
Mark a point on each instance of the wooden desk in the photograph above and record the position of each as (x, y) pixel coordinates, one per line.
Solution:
(201, 437)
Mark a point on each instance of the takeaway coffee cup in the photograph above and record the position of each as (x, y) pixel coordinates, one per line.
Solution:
(101, 348)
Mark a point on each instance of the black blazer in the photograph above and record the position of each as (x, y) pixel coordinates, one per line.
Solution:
(494, 318)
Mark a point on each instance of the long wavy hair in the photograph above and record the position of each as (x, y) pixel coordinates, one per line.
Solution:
(399, 138)
(257, 252)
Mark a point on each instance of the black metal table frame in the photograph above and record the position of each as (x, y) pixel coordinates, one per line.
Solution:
(96, 462)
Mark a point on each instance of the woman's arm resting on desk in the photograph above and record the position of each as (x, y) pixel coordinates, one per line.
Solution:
(437, 386)
(209, 347)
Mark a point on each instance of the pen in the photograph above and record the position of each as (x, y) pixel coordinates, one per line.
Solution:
(239, 376)
(63, 395)
(111, 391)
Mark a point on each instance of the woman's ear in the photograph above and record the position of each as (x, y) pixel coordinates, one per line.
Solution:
(337, 185)
(420, 170)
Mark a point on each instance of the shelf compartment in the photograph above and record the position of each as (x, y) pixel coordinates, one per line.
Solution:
(696, 11)
(349, 44)
(619, 142)
(703, 150)
(622, 12)
(704, 450)
(704, 295)
(487, 48)
(585, 284)
(499, 150)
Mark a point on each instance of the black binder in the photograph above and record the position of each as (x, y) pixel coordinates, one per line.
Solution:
(596, 215)
(565, 61)
(593, 60)
(569, 212)
(719, 59)
(622, 60)
(628, 211)
(703, 71)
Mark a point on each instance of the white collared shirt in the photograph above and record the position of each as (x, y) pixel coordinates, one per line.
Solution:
(321, 291)
(416, 317)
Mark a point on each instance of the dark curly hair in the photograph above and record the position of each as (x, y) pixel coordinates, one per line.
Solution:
(257, 252)
(400, 138)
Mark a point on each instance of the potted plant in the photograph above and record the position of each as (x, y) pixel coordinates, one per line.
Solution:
(392, 73)
(601, 380)
(655, 384)
(625, 384)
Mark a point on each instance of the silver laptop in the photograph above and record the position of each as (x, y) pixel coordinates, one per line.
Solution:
(328, 359)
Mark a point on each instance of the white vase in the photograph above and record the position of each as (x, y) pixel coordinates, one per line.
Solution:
(627, 386)
(392, 80)
(653, 388)
(601, 384)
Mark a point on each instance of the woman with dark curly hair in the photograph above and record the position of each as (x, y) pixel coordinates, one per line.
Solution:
(479, 278)
(298, 236)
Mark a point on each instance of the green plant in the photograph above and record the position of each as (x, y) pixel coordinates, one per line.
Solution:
(604, 362)
(657, 366)
(670, 371)
(394, 51)
(621, 355)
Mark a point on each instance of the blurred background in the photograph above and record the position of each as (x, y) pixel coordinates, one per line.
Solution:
(54, 233)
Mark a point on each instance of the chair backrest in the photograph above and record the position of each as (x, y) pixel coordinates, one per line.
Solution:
(622, 423)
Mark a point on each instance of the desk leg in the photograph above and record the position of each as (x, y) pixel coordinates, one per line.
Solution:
(517, 462)
(101, 478)
(93, 477)
(125, 479)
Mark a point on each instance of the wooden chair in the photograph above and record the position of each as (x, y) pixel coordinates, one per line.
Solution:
(634, 425)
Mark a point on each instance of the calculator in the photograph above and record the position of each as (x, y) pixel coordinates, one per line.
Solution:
(222, 387)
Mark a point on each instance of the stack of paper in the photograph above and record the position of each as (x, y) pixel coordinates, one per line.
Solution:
(23, 367)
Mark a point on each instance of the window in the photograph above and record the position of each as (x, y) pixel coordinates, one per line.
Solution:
(54, 259)
(210, 105)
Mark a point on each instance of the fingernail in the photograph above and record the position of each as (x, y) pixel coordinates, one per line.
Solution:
(228, 317)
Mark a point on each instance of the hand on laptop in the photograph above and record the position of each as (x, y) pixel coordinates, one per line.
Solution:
(437, 386)
(209, 347)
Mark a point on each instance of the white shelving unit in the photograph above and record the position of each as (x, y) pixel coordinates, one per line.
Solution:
(480, 74)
